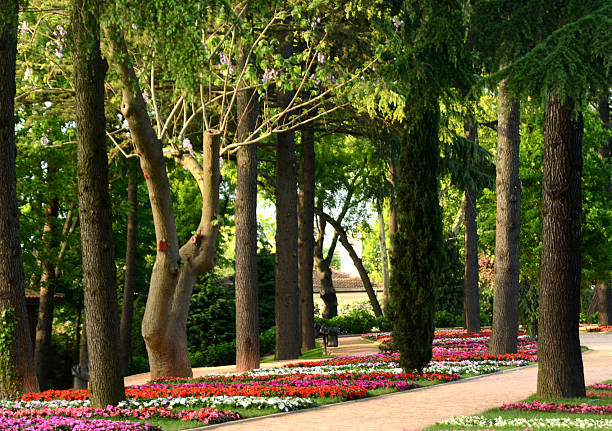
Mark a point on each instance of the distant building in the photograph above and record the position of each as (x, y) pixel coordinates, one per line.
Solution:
(348, 287)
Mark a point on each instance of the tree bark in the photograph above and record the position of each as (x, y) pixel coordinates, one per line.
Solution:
(363, 274)
(12, 294)
(175, 271)
(322, 265)
(471, 300)
(560, 369)
(48, 285)
(306, 237)
(382, 242)
(247, 317)
(99, 273)
(507, 226)
(286, 294)
(127, 307)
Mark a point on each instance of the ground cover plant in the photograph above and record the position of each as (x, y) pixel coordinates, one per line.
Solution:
(593, 412)
(180, 403)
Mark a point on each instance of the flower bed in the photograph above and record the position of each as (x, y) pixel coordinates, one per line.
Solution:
(291, 387)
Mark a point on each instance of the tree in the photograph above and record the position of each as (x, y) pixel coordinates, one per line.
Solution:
(127, 306)
(286, 292)
(507, 227)
(99, 277)
(431, 59)
(367, 284)
(471, 304)
(16, 360)
(247, 322)
(306, 242)
(560, 372)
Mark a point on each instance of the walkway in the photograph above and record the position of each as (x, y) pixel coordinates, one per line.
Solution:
(416, 409)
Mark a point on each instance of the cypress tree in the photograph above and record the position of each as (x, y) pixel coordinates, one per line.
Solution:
(417, 244)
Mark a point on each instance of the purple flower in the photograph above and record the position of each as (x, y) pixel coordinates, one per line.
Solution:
(44, 139)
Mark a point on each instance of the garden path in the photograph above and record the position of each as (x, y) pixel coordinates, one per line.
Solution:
(422, 407)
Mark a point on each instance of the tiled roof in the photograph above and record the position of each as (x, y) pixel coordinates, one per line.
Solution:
(343, 282)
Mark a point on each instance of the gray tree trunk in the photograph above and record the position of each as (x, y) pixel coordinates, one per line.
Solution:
(560, 369)
(99, 272)
(175, 270)
(382, 242)
(322, 265)
(306, 237)
(12, 293)
(247, 314)
(471, 299)
(286, 289)
(127, 307)
(48, 285)
(507, 227)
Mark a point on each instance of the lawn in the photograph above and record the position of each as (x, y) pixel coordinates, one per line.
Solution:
(174, 404)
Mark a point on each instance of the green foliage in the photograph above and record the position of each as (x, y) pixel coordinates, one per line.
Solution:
(356, 322)
(445, 319)
(529, 306)
(8, 370)
(225, 353)
(417, 244)
(449, 295)
(211, 324)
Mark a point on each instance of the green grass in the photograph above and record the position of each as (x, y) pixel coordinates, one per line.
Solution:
(511, 414)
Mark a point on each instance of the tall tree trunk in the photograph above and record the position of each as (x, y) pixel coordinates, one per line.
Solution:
(99, 273)
(382, 242)
(507, 226)
(363, 274)
(560, 369)
(306, 236)
(322, 265)
(12, 294)
(286, 294)
(418, 241)
(247, 314)
(131, 247)
(175, 271)
(471, 300)
(603, 292)
(48, 284)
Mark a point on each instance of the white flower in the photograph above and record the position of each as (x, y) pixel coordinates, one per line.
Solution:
(320, 57)
(145, 96)
(25, 28)
(28, 73)
(44, 139)
(268, 75)
(187, 144)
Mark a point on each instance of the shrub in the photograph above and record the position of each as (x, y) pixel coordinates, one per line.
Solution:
(445, 319)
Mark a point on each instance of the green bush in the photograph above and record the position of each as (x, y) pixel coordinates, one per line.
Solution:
(445, 319)
(225, 353)
(356, 322)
